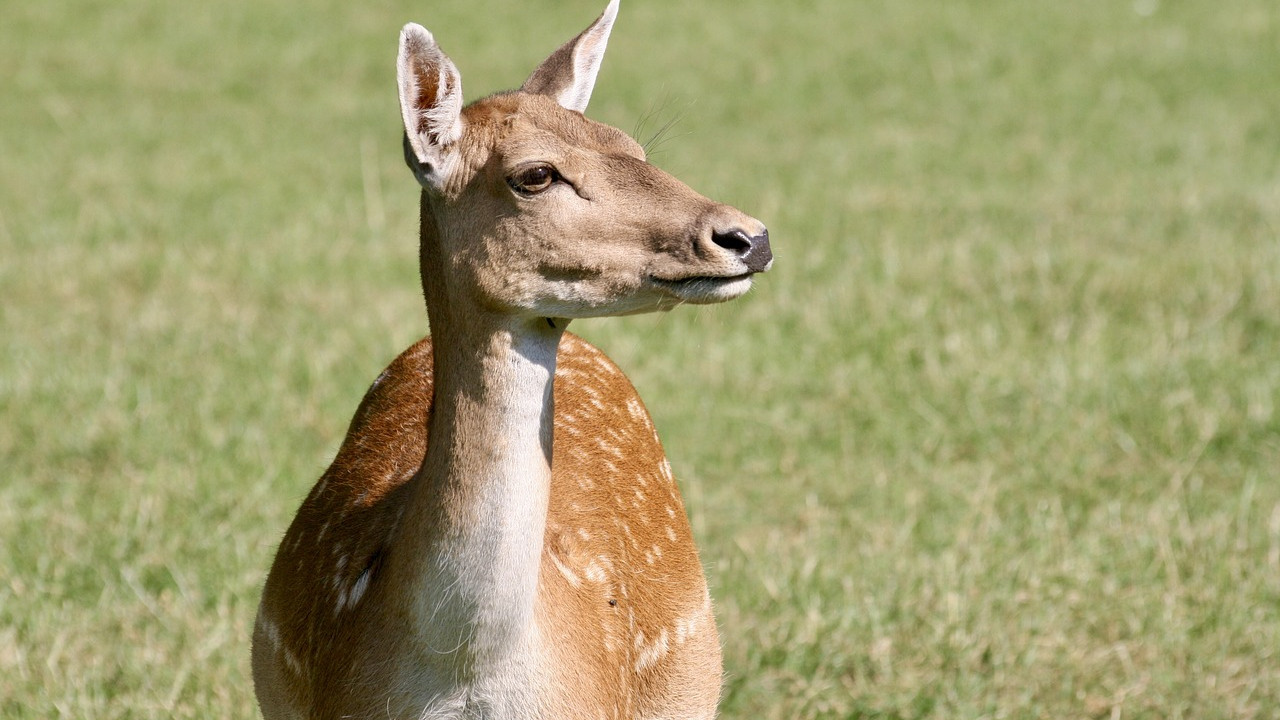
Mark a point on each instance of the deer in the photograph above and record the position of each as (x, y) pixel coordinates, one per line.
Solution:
(500, 534)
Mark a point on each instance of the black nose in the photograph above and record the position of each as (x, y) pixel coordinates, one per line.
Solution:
(754, 250)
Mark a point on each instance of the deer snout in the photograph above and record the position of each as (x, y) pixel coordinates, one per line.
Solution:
(752, 250)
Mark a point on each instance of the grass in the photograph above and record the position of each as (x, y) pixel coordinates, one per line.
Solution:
(997, 438)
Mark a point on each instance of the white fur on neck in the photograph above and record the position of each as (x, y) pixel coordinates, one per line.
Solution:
(475, 609)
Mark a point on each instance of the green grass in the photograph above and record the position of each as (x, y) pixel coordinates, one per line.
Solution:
(999, 437)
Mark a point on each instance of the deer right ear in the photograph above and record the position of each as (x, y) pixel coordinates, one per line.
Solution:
(430, 102)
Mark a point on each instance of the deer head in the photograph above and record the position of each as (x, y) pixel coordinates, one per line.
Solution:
(532, 209)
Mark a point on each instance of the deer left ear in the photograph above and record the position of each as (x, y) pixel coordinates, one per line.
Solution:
(431, 103)
(570, 73)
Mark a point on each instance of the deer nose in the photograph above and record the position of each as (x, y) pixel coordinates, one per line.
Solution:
(751, 249)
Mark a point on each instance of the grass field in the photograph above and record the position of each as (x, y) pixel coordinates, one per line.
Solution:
(999, 437)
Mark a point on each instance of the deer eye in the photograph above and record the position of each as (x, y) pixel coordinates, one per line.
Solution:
(533, 180)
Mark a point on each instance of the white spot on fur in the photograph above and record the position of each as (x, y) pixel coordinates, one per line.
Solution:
(358, 590)
(682, 630)
(665, 468)
(269, 630)
(568, 574)
(636, 409)
(292, 661)
(654, 652)
(631, 538)
(594, 573)
(690, 626)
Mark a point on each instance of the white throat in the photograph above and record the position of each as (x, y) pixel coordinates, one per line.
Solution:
(480, 509)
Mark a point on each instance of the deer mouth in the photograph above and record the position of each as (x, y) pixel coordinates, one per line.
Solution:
(700, 289)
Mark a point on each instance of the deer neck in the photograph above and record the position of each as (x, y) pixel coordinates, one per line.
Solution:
(477, 520)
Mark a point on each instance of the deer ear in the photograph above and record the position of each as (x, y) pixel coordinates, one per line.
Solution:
(570, 73)
(430, 101)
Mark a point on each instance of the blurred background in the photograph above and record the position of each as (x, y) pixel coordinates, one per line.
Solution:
(997, 437)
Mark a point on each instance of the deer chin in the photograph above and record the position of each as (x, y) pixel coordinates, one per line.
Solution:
(705, 289)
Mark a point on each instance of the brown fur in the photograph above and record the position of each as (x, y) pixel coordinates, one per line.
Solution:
(357, 506)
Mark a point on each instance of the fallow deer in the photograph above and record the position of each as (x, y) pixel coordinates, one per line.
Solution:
(500, 535)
